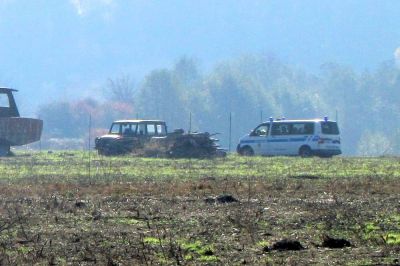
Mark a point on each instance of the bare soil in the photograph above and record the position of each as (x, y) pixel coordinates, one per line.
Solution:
(172, 221)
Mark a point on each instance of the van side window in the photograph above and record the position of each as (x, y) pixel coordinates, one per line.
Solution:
(280, 129)
(302, 129)
(309, 128)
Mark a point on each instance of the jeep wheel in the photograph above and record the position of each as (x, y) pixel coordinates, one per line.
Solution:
(102, 151)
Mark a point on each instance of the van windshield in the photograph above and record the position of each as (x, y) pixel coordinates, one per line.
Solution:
(330, 128)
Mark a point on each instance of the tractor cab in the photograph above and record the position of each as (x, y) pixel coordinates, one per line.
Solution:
(15, 130)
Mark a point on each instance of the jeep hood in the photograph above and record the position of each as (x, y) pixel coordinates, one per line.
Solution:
(110, 136)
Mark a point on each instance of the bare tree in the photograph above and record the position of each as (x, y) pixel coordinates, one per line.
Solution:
(121, 89)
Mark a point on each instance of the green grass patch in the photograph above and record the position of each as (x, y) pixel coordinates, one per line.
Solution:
(124, 220)
(212, 258)
(153, 241)
(262, 244)
(24, 250)
(371, 227)
(205, 253)
(73, 166)
(392, 238)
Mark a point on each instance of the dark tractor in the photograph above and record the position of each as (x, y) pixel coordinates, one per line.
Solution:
(150, 138)
(15, 130)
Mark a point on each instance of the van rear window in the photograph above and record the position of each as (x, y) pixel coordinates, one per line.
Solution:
(329, 128)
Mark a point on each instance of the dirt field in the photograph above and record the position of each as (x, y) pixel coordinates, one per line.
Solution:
(72, 208)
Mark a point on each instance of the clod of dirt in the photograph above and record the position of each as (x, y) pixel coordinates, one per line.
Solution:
(111, 262)
(80, 204)
(209, 200)
(287, 244)
(96, 214)
(23, 241)
(226, 199)
(305, 177)
(208, 252)
(330, 242)
(208, 178)
(221, 199)
(266, 249)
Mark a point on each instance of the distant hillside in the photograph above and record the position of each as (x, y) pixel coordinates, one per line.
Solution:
(67, 49)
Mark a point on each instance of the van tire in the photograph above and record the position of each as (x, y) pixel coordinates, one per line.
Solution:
(305, 151)
(246, 151)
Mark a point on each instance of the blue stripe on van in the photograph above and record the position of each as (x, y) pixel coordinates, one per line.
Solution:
(253, 141)
(298, 139)
(274, 140)
(278, 140)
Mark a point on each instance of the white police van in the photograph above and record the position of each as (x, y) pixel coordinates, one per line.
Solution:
(292, 137)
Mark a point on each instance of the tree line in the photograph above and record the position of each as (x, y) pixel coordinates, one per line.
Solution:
(249, 89)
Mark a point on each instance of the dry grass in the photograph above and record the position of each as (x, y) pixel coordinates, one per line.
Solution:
(153, 211)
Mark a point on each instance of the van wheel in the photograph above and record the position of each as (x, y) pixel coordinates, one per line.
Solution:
(246, 151)
(305, 151)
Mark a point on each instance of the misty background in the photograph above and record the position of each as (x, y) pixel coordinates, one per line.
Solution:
(114, 59)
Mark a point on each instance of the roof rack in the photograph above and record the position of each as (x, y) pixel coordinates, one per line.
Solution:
(3, 89)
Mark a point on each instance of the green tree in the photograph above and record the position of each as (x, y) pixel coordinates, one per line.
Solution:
(160, 98)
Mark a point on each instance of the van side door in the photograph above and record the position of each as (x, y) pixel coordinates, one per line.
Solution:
(301, 133)
(259, 139)
(278, 140)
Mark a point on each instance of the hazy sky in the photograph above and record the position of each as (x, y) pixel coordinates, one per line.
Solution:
(66, 47)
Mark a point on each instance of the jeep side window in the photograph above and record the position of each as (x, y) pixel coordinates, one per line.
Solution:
(161, 129)
(126, 129)
(115, 128)
(141, 129)
(134, 128)
(151, 129)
